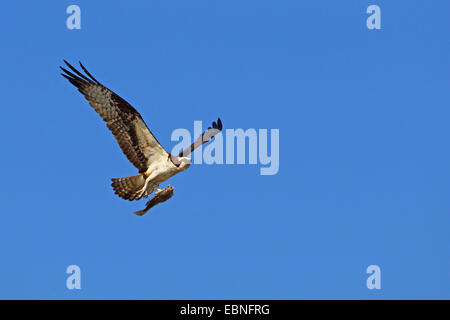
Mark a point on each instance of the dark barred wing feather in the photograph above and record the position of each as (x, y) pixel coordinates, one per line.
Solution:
(205, 137)
(134, 137)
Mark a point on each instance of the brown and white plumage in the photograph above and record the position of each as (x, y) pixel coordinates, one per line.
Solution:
(154, 163)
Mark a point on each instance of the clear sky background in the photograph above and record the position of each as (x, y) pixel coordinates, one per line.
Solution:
(364, 156)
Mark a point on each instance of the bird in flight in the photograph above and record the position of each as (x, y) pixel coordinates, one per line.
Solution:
(154, 163)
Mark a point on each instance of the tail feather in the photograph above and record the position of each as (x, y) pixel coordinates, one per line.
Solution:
(130, 188)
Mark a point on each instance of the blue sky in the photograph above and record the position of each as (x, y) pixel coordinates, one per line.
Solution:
(364, 158)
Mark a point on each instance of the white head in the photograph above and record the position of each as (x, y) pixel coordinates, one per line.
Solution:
(181, 162)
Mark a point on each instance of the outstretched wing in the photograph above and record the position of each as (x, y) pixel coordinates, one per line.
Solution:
(134, 137)
(204, 138)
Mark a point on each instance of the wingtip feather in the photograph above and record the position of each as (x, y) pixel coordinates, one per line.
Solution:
(219, 124)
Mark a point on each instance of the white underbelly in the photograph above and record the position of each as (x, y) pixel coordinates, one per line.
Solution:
(161, 171)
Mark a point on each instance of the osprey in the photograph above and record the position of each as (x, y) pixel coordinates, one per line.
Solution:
(154, 163)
